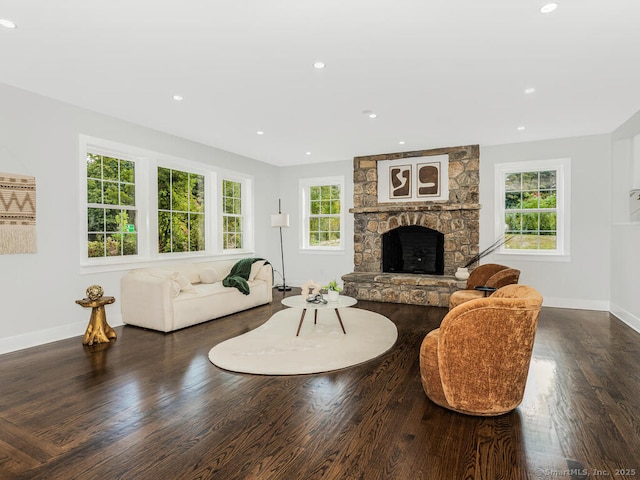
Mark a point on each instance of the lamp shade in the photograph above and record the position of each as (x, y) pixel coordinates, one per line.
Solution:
(279, 219)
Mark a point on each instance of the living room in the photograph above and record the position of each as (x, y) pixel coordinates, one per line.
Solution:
(46, 132)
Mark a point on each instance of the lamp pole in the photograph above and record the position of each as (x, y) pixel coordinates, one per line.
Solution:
(283, 287)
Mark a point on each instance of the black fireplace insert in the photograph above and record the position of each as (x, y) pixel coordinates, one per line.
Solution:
(413, 249)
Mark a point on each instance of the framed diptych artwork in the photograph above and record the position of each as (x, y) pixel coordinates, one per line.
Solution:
(413, 179)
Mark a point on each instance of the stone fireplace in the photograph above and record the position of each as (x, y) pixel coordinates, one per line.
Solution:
(407, 252)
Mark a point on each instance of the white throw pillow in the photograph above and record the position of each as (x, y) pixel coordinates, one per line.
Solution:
(208, 275)
(185, 284)
(254, 269)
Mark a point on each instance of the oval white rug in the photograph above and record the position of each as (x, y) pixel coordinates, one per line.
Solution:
(274, 349)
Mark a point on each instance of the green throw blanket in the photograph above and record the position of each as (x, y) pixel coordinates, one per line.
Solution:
(240, 274)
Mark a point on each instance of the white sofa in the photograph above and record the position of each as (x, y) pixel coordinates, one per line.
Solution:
(171, 297)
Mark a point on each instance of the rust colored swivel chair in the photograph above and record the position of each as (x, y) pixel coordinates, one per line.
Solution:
(488, 275)
(477, 362)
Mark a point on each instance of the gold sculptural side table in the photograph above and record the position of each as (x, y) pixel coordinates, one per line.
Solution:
(98, 330)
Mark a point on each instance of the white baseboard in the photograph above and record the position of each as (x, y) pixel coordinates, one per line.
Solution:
(626, 316)
(41, 337)
(577, 303)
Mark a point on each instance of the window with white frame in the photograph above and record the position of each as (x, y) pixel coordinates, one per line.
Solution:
(112, 215)
(322, 213)
(137, 205)
(232, 218)
(532, 206)
(181, 211)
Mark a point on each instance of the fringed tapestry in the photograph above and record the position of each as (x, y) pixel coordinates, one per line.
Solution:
(17, 213)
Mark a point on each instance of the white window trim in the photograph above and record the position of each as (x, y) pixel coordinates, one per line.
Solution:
(304, 186)
(563, 206)
(182, 166)
(123, 152)
(146, 165)
(248, 232)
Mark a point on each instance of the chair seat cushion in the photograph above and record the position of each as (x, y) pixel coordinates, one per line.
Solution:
(462, 296)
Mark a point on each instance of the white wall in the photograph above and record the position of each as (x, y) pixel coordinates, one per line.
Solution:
(301, 266)
(583, 281)
(625, 236)
(39, 136)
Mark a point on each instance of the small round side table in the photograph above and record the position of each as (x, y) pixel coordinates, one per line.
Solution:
(98, 330)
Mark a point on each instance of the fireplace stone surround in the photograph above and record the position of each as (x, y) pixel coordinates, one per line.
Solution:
(458, 219)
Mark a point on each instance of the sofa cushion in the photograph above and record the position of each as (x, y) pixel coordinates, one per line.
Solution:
(209, 275)
(255, 267)
(185, 284)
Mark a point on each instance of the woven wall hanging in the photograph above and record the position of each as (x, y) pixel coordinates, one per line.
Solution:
(17, 214)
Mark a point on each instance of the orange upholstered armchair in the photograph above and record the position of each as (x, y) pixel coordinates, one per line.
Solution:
(488, 275)
(477, 362)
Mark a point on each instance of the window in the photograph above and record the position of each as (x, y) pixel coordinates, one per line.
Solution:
(138, 206)
(181, 211)
(111, 206)
(532, 206)
(323, 217)
(231, 215)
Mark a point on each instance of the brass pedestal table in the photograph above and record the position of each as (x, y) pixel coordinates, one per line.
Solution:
(98, 330)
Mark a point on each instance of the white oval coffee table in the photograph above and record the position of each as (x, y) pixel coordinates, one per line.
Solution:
(298, 301)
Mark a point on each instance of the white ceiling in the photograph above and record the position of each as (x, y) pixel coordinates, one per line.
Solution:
(437, 72)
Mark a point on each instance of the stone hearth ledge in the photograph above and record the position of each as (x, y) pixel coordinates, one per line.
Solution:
(414, 289)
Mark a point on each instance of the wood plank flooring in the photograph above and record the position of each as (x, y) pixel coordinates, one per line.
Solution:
(152, 406)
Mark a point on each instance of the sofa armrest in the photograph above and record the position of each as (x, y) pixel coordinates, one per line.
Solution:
(265, 274)
(147, 301)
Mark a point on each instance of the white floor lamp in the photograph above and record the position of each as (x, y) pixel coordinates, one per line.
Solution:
(281, 220)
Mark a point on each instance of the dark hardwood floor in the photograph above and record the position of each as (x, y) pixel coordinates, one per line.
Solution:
(152, 406)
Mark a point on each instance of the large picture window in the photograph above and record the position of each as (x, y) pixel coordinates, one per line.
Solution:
(181, 211)
(111, 206)
(532, 207)
(323, 216)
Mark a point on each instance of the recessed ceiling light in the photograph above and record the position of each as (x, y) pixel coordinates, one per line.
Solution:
(521, 128)
(369, 113)
(7, 23)
(319, 65)
(549, 7)
(401, 142)
(260, 132)
(178, 98)
(308, 153)
(529, 90)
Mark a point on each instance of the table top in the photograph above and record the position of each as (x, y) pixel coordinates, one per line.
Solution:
(298, 301)
(484, 288)
(98, 302)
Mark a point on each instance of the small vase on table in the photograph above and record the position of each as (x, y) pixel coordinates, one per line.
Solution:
(462, 273)
(332, 295)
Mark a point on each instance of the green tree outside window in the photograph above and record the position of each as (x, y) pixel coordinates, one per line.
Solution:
(531, 210)
(324, 216)
(232, 219)
(111, 213)
(181, 211)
